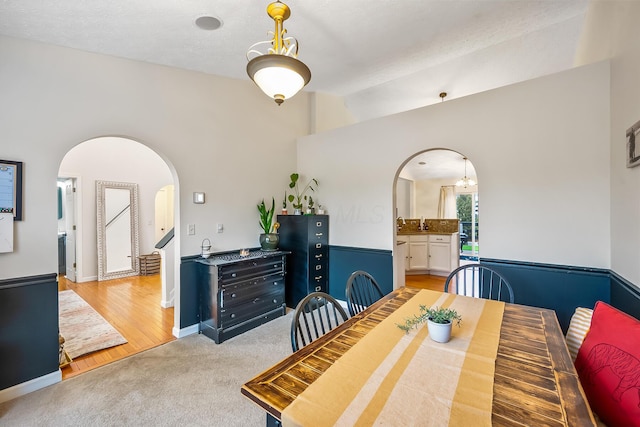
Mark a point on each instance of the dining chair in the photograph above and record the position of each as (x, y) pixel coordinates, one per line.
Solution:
(362, 291)
(479, 281)
(315, 315)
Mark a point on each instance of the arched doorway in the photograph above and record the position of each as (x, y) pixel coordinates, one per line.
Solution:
(118, 160)
(431, 192)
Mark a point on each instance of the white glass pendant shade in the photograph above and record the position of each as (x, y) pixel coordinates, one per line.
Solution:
(279, 76)
(465, 181)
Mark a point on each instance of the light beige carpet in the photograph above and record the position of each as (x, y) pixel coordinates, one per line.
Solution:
(83, 328)
(191, 381)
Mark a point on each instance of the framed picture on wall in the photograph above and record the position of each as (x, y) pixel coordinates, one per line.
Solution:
(11, 188)
(633, 157)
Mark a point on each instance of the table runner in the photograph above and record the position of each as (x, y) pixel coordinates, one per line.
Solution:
(393, 378)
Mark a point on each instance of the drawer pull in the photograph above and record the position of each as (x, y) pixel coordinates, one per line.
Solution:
(275, 301)
(318, 245)
(318, 277)
(318, 288)
(233, 295)
(318, 223)
(233, 274)
(256, 300)
(318, 267)
(318, 256)
(233, 315)
(318, 234)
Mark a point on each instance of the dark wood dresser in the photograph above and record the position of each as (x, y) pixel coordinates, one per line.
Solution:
(307, 238)
(238, 293)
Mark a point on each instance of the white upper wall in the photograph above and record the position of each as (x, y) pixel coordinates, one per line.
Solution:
(540, 149)
(612, 31)
(217, 135)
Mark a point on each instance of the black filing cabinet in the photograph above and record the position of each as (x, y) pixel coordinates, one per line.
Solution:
(239, 293)
(307, 238)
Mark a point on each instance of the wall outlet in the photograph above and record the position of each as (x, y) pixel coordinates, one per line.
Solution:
(191, 229)
(220, 228)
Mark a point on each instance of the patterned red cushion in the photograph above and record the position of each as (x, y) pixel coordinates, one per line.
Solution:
(608, 365)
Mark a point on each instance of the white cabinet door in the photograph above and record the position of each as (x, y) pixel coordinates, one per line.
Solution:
(405, 239)
(440, 256)
(418, 255)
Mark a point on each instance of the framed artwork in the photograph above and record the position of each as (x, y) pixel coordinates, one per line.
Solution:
(633, 158)
(11, 188)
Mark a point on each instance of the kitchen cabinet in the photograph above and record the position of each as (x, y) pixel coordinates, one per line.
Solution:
(307, 238)
(417, 253)
(238, 293)
(443, 253)
(431, 253)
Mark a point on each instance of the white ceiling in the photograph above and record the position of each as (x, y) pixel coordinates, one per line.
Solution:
(438, 164)
(382, 56)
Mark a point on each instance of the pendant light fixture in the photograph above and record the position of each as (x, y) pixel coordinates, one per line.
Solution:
(465, 181)
(278, 72)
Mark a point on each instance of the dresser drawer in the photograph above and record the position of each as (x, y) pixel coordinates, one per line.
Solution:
(240, 293)
(247, 270)
(236, 314)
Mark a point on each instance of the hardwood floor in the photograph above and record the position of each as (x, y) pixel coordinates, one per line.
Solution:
(425, 281)
(132, 306)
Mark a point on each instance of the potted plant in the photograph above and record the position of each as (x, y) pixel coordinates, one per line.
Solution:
(310, 209)
(298, 196)
(284, 204)
(269, 239)
(439, 322)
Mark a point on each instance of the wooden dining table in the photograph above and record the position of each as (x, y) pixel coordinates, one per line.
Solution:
(535, 382)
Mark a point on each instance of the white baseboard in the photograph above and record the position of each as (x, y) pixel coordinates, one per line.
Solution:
(166, 304)
(86, 279)
(29, 386)
(189, 330)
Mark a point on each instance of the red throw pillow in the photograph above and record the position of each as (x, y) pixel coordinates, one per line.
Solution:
(608, 364)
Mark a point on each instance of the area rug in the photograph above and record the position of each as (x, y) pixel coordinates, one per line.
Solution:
(83, 328)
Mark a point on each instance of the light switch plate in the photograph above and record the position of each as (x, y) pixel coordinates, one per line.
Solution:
(198, 198)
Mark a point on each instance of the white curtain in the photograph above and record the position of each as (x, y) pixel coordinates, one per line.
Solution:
(447, 203)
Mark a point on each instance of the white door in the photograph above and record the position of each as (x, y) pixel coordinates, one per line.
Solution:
(163, 211)
(70, 223)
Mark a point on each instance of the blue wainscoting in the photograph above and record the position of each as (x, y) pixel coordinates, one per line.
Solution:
(625, 296)
(560, 288)
(345, 260)
(29, 338)
(189, 280)
(557, 287)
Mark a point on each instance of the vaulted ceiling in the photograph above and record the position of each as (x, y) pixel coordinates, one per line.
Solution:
(382, 56)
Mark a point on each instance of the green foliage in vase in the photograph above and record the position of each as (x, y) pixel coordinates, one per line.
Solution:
(297, 196)
(266, 216)
(435, 314)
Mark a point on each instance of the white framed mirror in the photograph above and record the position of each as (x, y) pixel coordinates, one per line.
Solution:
(117, 226)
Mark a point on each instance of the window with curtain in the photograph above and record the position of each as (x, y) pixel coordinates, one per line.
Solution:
(447, 203)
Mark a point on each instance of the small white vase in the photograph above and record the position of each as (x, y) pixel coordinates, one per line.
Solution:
(439, 332)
